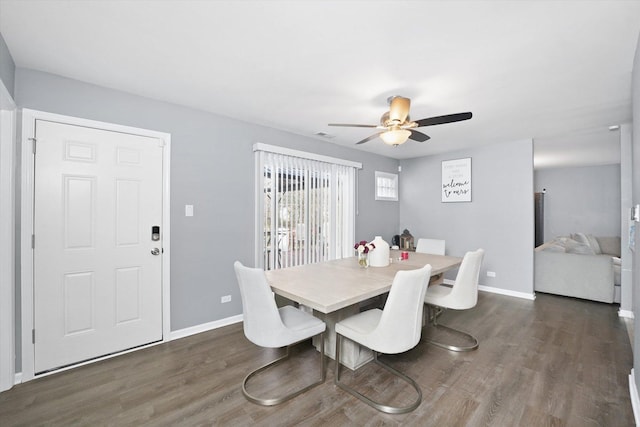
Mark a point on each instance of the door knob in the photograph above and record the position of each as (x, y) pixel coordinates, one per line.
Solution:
(155, 251)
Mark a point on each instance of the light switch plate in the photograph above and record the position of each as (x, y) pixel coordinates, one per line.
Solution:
(188, 210)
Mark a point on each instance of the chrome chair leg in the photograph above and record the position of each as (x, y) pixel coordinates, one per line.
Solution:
(377, 405)
(278, 400)
(434, 321)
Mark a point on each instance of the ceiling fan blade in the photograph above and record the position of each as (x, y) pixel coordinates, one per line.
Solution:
(439, 120)
(399, 109)
(374, 136)
(418, 136)
(352, 125)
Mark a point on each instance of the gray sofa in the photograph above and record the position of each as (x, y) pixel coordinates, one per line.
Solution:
(581, 266)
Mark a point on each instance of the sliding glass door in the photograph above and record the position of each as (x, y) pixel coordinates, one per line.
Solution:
(304, 208)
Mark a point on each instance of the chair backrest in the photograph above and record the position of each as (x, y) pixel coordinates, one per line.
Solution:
(262, 321)
(401, 321)
(464, 294)
(430, 246)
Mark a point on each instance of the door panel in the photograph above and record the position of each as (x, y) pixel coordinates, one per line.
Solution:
(127, 213)
(78, 201)
(78, 303)
(128, 289)
(97, 287)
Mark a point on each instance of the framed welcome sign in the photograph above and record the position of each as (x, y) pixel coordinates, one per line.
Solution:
(456, 180)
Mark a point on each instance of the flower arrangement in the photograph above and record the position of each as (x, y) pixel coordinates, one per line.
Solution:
(363, 248)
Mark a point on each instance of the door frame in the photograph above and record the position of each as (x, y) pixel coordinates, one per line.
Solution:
(27, 134)
(7, 238)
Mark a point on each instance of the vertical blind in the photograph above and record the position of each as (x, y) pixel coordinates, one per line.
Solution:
(305, 207)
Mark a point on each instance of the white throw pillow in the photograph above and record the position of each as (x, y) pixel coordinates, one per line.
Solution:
(589, 240)
(581, 238)
(567, 242)
(593, 243)
(581, 249)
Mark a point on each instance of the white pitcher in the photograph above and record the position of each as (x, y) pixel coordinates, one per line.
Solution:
(379, 257)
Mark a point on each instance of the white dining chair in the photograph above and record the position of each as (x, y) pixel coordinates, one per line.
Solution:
(434, 247)
(395, 329)
(431, 246)
(266, 325)
(462, 296)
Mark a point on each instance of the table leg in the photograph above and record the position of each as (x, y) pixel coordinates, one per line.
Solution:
(353, 355)
(438, 279)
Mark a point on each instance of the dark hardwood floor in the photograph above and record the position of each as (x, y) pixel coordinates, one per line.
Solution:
(554, 361)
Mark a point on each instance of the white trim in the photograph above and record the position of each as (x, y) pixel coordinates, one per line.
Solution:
(510, 293)
(258, 209)
(628, 314)
(204, 327)
(635, 401)
(25, 147)
(7, 238)
(259, 146)
(26, 228)
(500, 291)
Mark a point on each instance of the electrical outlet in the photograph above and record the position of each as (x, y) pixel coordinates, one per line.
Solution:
(226, 298)
(491, 274)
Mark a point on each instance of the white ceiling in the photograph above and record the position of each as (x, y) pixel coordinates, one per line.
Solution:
(558, 72)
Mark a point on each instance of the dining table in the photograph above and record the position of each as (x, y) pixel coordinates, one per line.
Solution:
(334, 290)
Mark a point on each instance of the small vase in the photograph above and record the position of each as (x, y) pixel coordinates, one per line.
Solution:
(363, 259)
(380, 255)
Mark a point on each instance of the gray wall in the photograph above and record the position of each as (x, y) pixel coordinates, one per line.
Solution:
(212, 169)
(7, 67)
(635, 99)
(499, 218)
(580, 199)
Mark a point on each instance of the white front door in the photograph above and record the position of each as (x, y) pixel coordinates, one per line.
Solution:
(97, 278)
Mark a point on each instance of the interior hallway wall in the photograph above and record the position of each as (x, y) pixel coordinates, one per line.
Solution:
(499, 218)
(7, 67)
(580, 200)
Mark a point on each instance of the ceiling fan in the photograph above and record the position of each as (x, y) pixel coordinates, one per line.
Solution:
(396, 126)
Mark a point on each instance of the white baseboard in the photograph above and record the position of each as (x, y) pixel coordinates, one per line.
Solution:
(17, 379)
(182, 333)
(500, 291)
(635, 401)
(626, 313)
(507, 292)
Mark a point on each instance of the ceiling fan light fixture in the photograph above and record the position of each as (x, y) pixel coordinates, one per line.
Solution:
(395, 136)
(396, 126)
